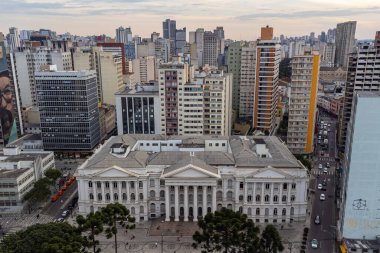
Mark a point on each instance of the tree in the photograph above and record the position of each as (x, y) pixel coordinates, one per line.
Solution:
(93, 223)
(226, 231)
(44, 238)
(53, 175)
(38, 193)
(114, 214)
(270, 241)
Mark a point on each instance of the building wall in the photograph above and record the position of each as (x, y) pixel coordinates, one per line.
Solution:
(345, 41)
(233, 65)
(112, 77)
(247, 82)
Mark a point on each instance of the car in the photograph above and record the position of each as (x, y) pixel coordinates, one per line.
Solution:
(317, 220)
(319, 141)
(328, 165)
(325, 170)
(319, 137)
(60, 220)
(314, 244)
(320, 166)
(320, 132)
(329, 125)
(324, 183)
(320, 186)
(322, 153)
(65, 213)
(322, 197)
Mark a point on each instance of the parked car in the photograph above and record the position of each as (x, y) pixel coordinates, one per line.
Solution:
(322, 197)
(320, 166)
(320, 186)
(328, 165)
(317, 220)
(325, 170)
(314, 244)
(65, 213)
(324, 183)
(60, 219)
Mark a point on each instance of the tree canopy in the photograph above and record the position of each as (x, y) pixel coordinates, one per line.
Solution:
(39, 192)
(93, 223)
(44, 238)
(232, 232)
(53, 174)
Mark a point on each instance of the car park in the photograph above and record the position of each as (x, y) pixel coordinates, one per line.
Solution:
(320, 186)
(322, 197)
(314, 244)
(317, 220)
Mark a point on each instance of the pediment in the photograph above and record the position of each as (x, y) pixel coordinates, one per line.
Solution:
(116, 171)
(269, 173)
(191, 171)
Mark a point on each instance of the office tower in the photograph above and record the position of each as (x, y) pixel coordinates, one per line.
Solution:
(154, 36)
(108, 67)
(145, 48)
(25, 34)
(199, 40)
(116, 49)
(144, 69)
(211, 48)
(331, 34)
(344, 42)
(68, 105)
(303, 102)
(219, 32)
(13, 39)
(233, 56)
(362, 75)
(268, 56)
(180, 40)
(169, 29)
(359, 213)
(138, 109)
(323, 37)
(162, 49)
(328, 55)
(172, 77)
(203, 171)
(3, 53)
(123, 35)
(247, 81)
(192, 38)
(377, 42)
(30, 61)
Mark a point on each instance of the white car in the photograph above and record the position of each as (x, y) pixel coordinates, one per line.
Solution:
(320, 166)
(322, 197)
(328, 165)
(320, 186)
(314, 244)
(65, 213)
(325, 170)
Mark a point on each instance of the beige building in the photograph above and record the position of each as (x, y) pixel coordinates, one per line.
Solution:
(303, 102)
(247, 81)
(144, 69)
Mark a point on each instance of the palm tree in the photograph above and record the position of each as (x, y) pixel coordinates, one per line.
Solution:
(113, 215)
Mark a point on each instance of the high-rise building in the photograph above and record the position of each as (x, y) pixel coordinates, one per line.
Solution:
(116, 49)
(328, 55)
(377, 42)
(144, 69)
(233, 58)
(268, 56)
(219, 31)
(359, 216)
(303, 102)
(199, 40)
(162, 49)
(123, 35)
(211, 48)
(362, 75)
(180, 40)
(68, 105)
(169, 28)
(138, 110)
(13, 39)
(323, 37)
(247, 81)
(345, 41)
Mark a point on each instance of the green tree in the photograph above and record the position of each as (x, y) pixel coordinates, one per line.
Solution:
(115, 214)
(38, 193)
(44, 238)
(226, 231)
(270, 241)
(53, 175)
(93, 223)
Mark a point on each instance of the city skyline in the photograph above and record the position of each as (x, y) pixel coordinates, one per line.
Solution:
(242, 21)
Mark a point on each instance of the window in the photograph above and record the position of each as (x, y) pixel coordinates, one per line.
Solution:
(99, 196)
(162, 194)
(241, 185)
(267, 186)
(152, 194)
(220, 182)
(162, 182)
(140, 184)
(229, 183)
(284, 198)
(141, 196)
(123, 185)
(98, 184)
(241, 198)
(249, 198)
(124, 196)
(114, 184)
(151, 183)
(91, 196)
(132, 185)
(293, 186)
(107, 185)
(133, 197)
(283, 211)
(258, 198)
(292, 198)
(275, 212)
(275, 198)
(266, 198)
(257, 211)
(90, 184)
(115, 196)
(285, 186)
(108, 197)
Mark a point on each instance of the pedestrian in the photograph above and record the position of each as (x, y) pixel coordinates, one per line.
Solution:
(156, 244)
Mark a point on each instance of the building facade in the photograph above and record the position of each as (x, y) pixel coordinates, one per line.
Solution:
(183, 178)
(68, 105)
(345, 41)
(169, 28)
(211, 48)
(233, 58)
(303, 102)
(247, 81)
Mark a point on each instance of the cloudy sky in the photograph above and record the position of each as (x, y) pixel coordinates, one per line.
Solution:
(241, 19)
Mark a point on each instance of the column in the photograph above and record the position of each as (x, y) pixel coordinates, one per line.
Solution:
(145, 189)
(186, 203)
(262, 193)
(225, 182)
(111, 191)
(94, 185)
(120, 194)
(103, 192)
(213, 199)
(204, 208)
(128, 196)
(236, 193)
(245, 192)
(280, 198)
(195, 208)
(157, 188)
(254, 194)
(288, 189)
(137, 191)
(167, 203)
(176, 204)
(271, 192)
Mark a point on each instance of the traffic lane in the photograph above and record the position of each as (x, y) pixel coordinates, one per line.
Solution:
(323, 209)
(55, 208)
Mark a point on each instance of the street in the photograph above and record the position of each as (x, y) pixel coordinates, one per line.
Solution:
(325, 209)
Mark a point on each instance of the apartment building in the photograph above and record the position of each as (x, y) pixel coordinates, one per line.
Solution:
(247, 81)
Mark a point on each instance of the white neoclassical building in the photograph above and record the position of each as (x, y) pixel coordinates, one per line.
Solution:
(182, 177)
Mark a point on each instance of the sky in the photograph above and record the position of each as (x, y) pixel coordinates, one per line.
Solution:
(241, 19)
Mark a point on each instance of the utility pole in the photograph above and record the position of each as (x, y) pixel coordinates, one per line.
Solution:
(162, 243)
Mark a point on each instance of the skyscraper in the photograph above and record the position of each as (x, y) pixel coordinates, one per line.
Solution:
(247, 81)
(68, 105)
(180, 40)
(303, 102)
(268, 56)
(363, 66)
(211, 48)
(169, 28)
(233, 57)
(123, 35)
(345, 39)
(14, 39)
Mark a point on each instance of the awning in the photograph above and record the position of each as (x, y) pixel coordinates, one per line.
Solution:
(343, 249)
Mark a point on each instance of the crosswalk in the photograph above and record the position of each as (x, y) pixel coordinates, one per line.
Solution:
(15, 222)
(320, 172)
(326, 159)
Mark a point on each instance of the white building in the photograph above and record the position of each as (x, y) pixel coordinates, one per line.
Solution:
(182, 178)
(13, 39)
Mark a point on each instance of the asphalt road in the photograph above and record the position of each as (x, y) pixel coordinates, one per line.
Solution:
(326, 209)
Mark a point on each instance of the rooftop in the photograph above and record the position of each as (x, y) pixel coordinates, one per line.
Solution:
(361, 244)
(12, 173)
